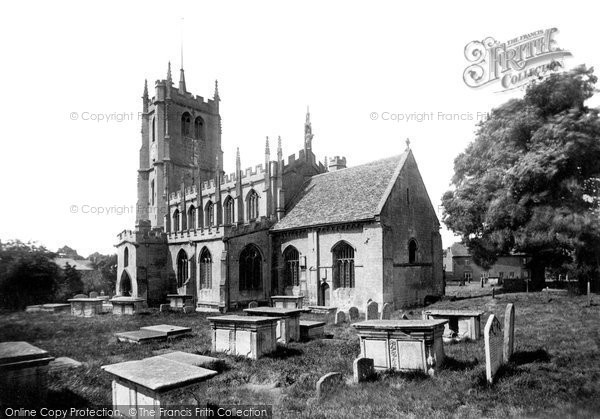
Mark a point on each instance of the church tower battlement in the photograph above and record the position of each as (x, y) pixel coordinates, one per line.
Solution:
(181, 145)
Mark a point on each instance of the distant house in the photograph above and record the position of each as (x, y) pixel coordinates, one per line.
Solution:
(447, 264)
(512, 266)
(92, 278)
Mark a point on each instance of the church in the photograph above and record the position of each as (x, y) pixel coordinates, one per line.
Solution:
(339, 236)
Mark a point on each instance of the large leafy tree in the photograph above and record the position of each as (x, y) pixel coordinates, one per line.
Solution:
(529, 182)
(28, 274)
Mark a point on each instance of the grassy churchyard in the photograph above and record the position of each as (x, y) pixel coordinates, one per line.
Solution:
(555, 370)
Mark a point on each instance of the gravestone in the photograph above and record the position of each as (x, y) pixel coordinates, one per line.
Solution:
(93, 294)
(353, 313)
(141, 336)
(188, 309)
(253, 304)
(171, 331)
(363, 369)
(386, 311)
(404, 316)
(340, 317)
(372, 311)
(493, 338)
(63, 363)
(328, 383)
(509, 331)
(80, 296)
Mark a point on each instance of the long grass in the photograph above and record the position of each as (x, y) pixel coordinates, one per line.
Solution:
(555, 371)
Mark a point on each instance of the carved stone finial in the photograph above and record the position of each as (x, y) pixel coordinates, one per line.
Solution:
(407, 144)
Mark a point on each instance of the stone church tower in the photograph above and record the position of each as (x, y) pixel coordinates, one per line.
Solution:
(181, 142)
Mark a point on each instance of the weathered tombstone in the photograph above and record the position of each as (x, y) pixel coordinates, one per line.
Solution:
(253, 304)
(363, 369)
(93, 294)
(340, 317)
(80, 296)
(188, 309)
(386, 311)
(372, 311)
(165, 308)
(493, 338)
(509, 331)
(353, 313)
(328, 383)
(404, 316)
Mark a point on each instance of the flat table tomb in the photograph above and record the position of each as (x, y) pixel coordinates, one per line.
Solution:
(402, 345)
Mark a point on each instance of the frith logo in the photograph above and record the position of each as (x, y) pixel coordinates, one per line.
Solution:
(512, 63)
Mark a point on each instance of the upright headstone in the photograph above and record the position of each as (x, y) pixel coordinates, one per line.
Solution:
(363, 369)
(340, 317)
(404, 316)
(253, 304)
(372, 311)
(353, 313)
(328, 383)
(93, 294)
(386, 311)
(493, 339)
(509, 331)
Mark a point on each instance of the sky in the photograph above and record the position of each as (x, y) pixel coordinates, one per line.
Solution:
(68, 177)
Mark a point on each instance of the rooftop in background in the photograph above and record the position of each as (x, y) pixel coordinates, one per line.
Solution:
(78, 264)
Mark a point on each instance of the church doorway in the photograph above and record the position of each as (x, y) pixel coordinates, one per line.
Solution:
(324, 294)
(125, 285)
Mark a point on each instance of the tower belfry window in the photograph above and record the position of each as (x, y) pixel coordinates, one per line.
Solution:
(199, 128)
(186, 122)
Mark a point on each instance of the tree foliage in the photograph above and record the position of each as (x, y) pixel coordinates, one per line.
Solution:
(27, 274)
(529, 182)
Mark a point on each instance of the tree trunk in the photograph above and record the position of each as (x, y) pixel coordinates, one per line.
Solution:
(538, 275)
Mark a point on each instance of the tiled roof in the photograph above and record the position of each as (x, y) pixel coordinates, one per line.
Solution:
(459, 249)
(341, 196)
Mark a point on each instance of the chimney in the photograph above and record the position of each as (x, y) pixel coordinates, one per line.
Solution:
(337, 163)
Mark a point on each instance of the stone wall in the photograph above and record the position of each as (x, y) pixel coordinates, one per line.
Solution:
(408, 214)
(316, 246)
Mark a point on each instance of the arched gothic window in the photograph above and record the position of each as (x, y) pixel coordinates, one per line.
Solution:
(192, 217)
(126, 258)
(291, 259)
(205, 261)
(228, 210)
(252, 205)
(199, 128)
(176, 220)
(182, 268)
(209, 213)
(412, 251)
(186, 123)
(250, 269)
(343, 265)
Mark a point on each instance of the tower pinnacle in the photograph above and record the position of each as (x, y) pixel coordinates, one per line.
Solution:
(169, 78)
(145, 96)
(216, 95)
(407, 144)
(308, 135)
